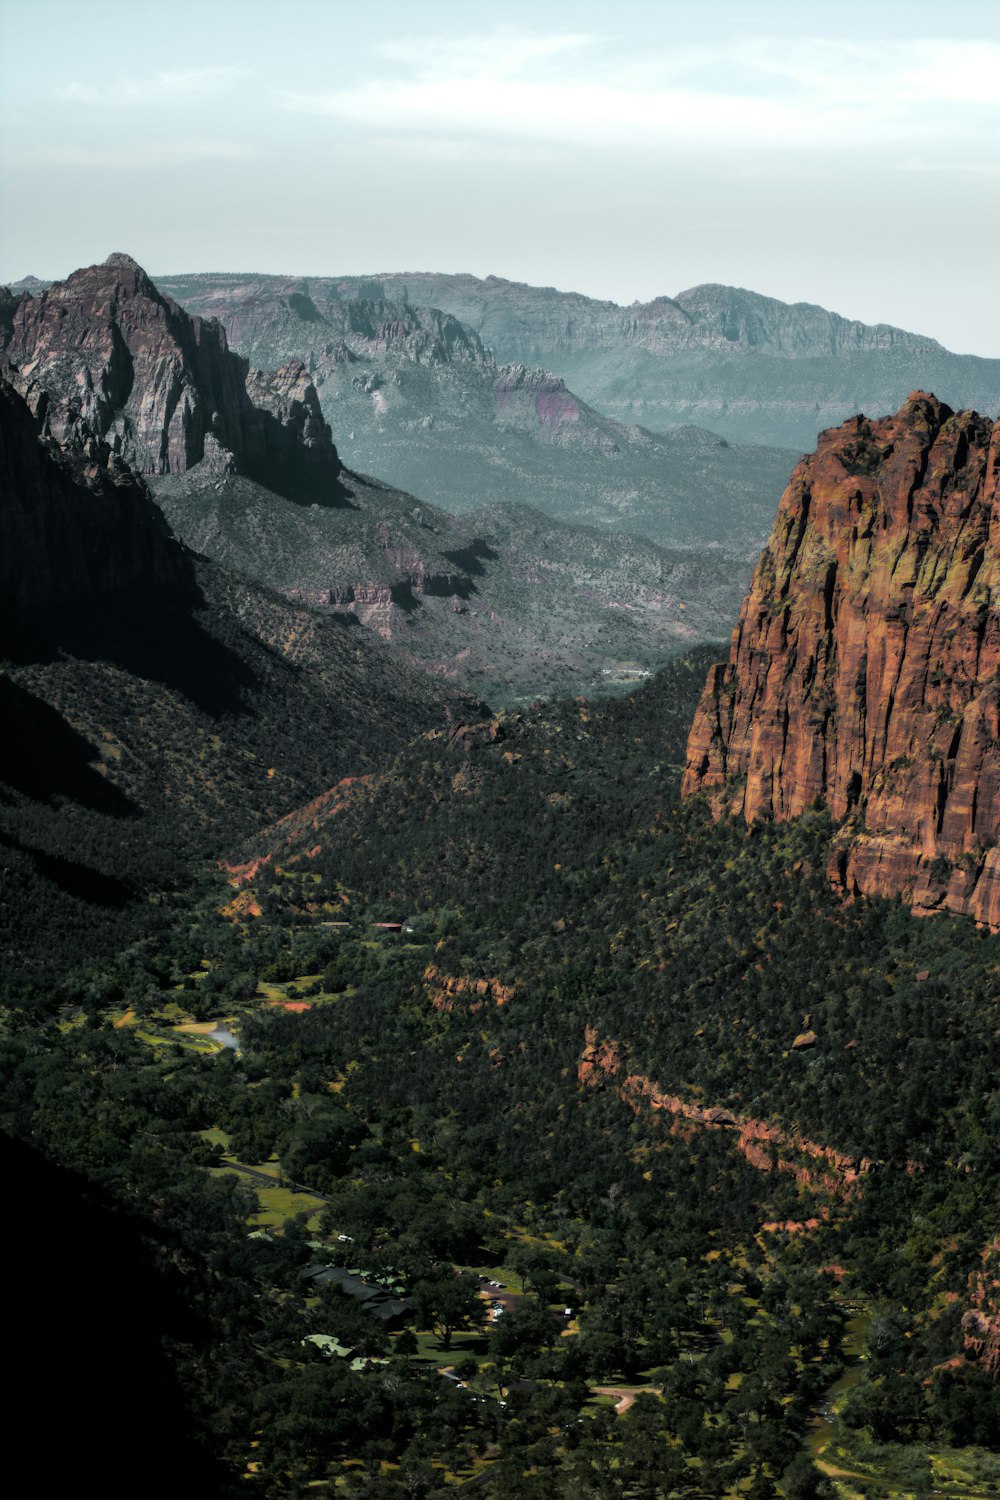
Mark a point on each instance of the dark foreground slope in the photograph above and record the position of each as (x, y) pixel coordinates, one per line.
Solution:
(626, 1060)
(113, 1264)
(152, 704)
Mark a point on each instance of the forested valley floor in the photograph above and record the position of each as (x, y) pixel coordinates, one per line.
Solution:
(499, 1120)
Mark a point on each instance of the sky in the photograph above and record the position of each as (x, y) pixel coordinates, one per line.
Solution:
(844, 154)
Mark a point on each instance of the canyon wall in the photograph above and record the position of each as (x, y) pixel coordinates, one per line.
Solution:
(864, 672)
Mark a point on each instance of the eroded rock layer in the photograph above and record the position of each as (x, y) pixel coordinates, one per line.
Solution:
(864, 672)
(107, 350)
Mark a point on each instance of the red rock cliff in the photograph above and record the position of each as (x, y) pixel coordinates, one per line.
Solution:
(864, 672)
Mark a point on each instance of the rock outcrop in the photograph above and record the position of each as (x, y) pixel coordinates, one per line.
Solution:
(864, 672)
(448, 991)
(981, 1321)
(105, 350)
(815, 1166)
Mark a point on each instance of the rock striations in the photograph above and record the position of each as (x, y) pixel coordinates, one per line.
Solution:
(864, 672)
(106, 350)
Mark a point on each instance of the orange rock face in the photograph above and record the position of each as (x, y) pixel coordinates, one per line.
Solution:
(981, 1323)
(864, 672)
(445, 991)
(814, 1166)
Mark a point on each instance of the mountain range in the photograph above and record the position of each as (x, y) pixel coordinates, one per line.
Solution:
(244, 466)
(414, 397)
(749, 367)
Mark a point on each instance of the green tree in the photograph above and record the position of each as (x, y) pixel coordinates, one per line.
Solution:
(448, 1301)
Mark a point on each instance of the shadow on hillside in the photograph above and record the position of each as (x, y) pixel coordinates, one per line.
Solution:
(289, 469)
(153, 634)
(44, 758)
(73, 878)
(471, 558)
(94, 1394)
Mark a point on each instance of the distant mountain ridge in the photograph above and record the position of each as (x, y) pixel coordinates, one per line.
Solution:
(415, 397)
(749, 367)
(244, 466)
(540, 320)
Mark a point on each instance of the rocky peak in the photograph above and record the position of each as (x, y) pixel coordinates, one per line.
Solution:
(290, 397)
(746, 322)
(105, 350)
(864, 672)
(119, 260)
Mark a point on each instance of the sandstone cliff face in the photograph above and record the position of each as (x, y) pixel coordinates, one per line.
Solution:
(864, 673)
(106, 350)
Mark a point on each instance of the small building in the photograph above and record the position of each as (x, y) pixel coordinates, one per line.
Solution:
(391, 1312)
(380, 1301)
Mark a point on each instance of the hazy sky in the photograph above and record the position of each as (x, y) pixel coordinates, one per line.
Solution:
(845, 154)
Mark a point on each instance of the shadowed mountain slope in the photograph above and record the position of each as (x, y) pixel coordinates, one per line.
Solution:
(152, 703)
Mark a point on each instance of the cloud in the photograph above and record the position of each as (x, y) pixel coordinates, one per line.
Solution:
(914, 74)
(153, 153)
(786, 94)
(459, 152)
(157, 87)
(976, 168)
(499, 54)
